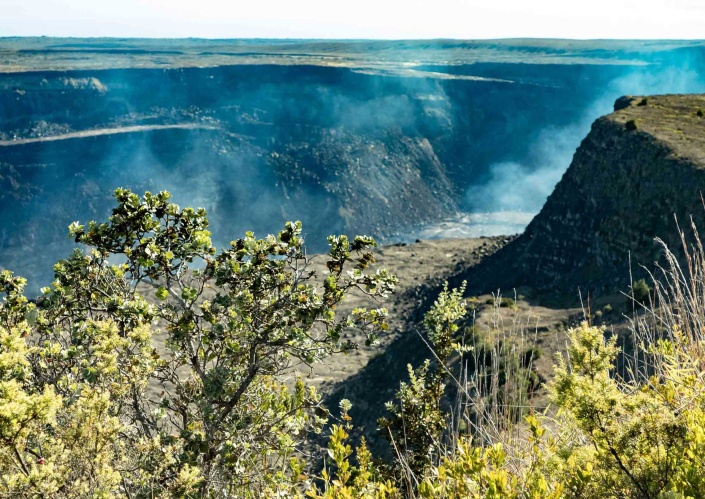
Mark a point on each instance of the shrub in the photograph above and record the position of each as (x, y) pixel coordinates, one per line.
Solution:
(641, 291)
(79, 414)
(417, 420)
(631, 125)
(508, 303)
(612, 437)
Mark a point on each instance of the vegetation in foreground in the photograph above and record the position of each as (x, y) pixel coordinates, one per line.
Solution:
(78, 417)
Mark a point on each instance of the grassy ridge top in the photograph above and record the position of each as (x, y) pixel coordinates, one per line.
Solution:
(42, 54)
(676, 120)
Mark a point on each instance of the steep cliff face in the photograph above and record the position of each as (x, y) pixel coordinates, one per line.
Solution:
(636, 169)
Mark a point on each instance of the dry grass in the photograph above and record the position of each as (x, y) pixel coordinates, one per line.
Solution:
(675, 311)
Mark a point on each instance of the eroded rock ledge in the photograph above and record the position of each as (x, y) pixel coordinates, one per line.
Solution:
(637, 168)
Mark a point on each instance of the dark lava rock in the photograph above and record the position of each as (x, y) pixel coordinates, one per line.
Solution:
(622, 190)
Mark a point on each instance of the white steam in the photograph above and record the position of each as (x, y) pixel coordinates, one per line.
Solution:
(524, 184)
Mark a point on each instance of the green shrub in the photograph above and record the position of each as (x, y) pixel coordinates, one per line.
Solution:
(417, 420)
(631, 125)
(507, 303)
(641, 291)
(77, 414)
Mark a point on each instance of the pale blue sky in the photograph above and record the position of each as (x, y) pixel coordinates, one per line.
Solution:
(466, 19)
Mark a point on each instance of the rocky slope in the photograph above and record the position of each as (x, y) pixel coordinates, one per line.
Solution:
(637, 168)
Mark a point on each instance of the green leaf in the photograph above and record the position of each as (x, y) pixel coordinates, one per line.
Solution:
(162, 293)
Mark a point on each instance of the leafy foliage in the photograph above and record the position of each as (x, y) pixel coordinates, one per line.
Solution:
(92, 408)
(361, 481)
(610, 438)
(418, 420)
(641, 291)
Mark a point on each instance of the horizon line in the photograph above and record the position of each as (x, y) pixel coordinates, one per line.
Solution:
(295, 39)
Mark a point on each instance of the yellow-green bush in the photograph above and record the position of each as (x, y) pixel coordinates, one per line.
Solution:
(89, 407)
(609, 439)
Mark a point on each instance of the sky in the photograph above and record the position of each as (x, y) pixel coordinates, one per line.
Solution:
(372, 19)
